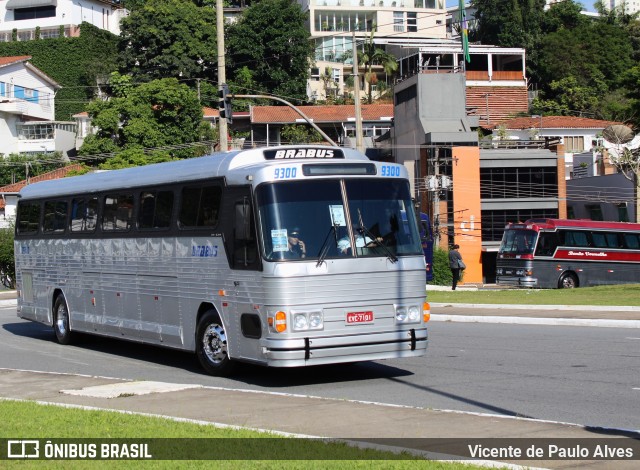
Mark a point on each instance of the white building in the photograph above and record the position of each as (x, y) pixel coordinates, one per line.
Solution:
(333, 24)
(628, 6)
(581, 137)
(27, 112)
(54, 18)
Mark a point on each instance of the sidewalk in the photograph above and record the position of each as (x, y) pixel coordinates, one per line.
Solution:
(406, 427)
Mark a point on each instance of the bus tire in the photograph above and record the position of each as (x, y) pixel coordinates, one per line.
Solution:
(568, 281)
(61, 323)
(211, 345)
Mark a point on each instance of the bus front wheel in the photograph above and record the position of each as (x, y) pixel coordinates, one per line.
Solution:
(211, 345)
(568, 281)
(61, 324)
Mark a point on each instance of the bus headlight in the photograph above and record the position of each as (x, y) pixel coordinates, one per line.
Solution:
(408, 314)
(308, 321)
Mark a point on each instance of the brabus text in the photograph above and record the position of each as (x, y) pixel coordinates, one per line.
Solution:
(204, 251)
(304, 153)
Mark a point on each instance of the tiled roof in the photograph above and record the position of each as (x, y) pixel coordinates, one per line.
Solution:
(557, 122)
(495, 104)
(336, 113)
(13, 60)
(51, 175)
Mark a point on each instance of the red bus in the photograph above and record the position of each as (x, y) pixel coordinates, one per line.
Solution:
(558, 253)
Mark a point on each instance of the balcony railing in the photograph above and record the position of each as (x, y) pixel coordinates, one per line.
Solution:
(413, 4)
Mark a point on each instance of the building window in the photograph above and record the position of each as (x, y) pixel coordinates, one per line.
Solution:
(35, 131)
(573, 144)
(623, 213)
(34, 13)
(398, 21)
(595, 211)
(412, 22)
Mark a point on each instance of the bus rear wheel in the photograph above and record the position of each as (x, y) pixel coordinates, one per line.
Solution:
(568, 281)
(61, 323)
(211, 345)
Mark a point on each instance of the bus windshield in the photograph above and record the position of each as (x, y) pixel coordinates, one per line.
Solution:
(518, 241)
(310, 219)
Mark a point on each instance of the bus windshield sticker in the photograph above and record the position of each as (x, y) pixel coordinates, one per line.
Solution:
(303, 153)
(337, 215)
(279, 240)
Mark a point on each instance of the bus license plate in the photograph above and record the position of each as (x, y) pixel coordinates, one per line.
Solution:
(359, 317)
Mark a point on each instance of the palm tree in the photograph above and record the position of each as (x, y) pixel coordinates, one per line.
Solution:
(371, 55)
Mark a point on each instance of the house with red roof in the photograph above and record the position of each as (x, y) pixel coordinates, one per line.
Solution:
(9, 194)
(337, 121)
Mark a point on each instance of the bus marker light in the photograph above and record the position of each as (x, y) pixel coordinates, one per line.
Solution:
(222, 293)
(281, 322)
(426, 312)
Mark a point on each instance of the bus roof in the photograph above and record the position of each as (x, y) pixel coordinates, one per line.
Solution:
(232, 165)
(552, 224)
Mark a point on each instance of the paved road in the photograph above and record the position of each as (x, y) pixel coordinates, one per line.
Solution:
(296, 414)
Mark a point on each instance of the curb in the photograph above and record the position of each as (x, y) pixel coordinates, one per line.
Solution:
(596, 308)
(537, 321)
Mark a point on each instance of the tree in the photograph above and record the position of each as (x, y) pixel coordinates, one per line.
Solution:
(298, 134)
(272, 37)
(371, 55)
(152, 122)
(578, 67)
(7, 263)
(169, 38)
(510, 23)
(16, 167)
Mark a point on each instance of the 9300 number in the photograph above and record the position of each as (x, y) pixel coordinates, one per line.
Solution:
(388, 170)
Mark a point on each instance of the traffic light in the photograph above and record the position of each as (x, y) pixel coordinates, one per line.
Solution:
(224, 103)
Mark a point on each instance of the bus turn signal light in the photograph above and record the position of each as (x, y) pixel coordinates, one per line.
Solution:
(426, 312)
(281, 322)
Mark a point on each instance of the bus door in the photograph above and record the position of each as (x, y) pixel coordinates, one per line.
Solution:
(244, 314)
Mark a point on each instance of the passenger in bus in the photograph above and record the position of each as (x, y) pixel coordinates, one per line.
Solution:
(362, 241)
(297, 248)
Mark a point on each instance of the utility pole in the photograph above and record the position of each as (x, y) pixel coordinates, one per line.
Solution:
(222, 77)
(356, 92)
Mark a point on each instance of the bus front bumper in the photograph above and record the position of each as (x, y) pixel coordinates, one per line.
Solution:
(351, 348)
(517, 281)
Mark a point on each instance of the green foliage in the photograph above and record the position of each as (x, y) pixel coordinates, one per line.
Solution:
(272, 37)
(14, 167)
(299, 134)
(510, 23)
(169, 38)
(7, 262)
(74, 63)
(158, 114)
(441, 271)
(371, 55)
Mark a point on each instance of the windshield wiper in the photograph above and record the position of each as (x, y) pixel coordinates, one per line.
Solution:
(393, 258)
(324, 249)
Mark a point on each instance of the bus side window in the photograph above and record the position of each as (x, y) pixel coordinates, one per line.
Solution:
(55, 217)
(245, 248)
(118, 212)
(28, 217)
(547, 244)
(632, 241)
(84, 214)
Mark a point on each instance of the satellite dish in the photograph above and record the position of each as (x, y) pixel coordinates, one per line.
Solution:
(618, 134)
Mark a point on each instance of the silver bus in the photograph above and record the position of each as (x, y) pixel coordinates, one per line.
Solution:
(283, 256)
